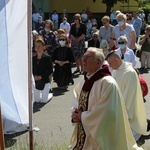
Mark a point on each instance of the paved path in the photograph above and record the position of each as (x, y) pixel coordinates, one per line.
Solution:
(53, 119)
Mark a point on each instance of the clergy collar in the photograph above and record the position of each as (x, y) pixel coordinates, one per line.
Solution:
(101, 72)
(122, 66)
(89, 76)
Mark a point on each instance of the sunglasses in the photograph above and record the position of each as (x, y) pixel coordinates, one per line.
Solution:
(104, 22)
(121, 42)
(95, 36)
(94, 25)
(148, 29)
(62, 39)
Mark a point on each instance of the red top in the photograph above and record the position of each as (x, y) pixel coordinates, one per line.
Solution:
(144, 86)
(89, 13)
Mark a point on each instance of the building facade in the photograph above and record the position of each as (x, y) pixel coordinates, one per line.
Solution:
(74, 6)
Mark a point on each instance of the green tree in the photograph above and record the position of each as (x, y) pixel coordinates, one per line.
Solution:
(142, 3)
(111, 3)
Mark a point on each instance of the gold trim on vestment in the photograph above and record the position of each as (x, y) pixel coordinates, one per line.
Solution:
(81, 135)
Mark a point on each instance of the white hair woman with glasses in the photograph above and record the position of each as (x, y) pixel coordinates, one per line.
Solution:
(125, 52)
(123, 28)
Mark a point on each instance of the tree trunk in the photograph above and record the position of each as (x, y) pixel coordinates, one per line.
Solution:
(108, 10)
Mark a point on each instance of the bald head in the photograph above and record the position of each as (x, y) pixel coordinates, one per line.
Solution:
(113, 54)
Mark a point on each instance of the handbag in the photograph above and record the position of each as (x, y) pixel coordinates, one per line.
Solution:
(138, 53)
(39, 84)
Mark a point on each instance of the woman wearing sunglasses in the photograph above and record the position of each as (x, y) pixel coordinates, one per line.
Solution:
(125, 52)
(105, 32)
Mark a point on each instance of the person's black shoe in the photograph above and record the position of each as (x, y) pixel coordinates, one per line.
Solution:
(72, 82)
(147, 68)
(142, 68)
(76, 71)
(144, 100)
(51, 91)
(83, 72)
(148, 125)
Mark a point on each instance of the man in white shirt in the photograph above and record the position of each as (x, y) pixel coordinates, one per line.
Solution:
(35, 17)
(142, 15)
(84, 16)
(137, 24)
(65, 25)
(55, 18)
(126, 53)
(113, 18)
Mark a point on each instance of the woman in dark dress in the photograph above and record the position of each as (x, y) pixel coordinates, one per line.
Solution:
(63, 57)
(77, 34)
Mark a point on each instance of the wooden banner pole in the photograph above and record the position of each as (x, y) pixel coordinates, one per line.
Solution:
(29, 26)
(2, 143)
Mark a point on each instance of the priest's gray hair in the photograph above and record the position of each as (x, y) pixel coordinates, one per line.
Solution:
(99, 55)
(123, 38)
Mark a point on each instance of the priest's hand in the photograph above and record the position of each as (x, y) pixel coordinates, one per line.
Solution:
(76, 116)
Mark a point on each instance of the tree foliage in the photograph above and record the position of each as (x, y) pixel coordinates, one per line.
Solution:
(142, 3)
(111, 3)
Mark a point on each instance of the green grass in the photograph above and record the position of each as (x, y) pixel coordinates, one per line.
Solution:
(39, 146)
(22, 143)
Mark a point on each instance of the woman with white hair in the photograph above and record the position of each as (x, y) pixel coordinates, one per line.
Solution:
(125, 52)
(94, 42)
(123, 28)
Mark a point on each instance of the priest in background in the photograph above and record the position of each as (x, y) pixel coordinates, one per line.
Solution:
(129, 84)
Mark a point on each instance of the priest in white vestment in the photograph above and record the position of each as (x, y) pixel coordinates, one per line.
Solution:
(129, 84)
(99, 113)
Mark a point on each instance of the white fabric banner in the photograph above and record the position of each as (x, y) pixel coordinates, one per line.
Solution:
(14, 65)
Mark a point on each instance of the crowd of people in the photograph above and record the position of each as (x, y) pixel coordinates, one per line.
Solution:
(108, 112)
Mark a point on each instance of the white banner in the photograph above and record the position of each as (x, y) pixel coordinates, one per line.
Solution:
(14, 65)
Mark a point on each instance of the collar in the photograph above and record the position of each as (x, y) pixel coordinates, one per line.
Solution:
(122, 66)
(127, 52)
(102, 71)
(89, 76)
